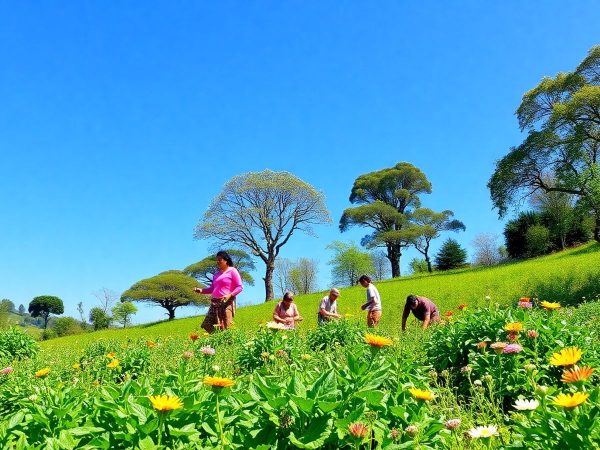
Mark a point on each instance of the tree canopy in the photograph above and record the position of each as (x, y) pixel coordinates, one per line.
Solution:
(122, 312)
(260, 211)
(204, 270)
(386, 198)
(348, 263)
(171, 290)
(45, 305)
(561, 150)
(450, 256)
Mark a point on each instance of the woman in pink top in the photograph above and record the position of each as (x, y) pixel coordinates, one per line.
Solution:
(286, 311)
(226, 285)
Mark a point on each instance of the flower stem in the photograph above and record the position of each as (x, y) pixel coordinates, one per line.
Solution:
(220, 424)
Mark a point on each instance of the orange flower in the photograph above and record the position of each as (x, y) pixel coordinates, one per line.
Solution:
(550, 305)
(421, 394)
(566, 357)
(194, 336)
(151, 344)
(462, 306)
(481, 345)
(449, 314)
(525, 299)
(377, 341)
(42, 373)
(358, 430)
(218, 382)
(577, 374)
(513, 327)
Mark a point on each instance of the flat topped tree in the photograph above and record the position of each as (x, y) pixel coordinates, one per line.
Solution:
(45, 305)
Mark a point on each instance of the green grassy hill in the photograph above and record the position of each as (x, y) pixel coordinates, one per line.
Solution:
(566, 277)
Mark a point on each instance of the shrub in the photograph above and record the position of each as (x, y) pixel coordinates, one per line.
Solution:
(65, 326)
(538, 240)
(14, 343)
(450, 256)
(335, 332)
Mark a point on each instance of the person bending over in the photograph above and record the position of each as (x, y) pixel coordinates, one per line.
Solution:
(422, 308)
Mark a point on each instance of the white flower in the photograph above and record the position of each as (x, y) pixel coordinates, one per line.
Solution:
(276, 326)
(477, 383)
(526, 405)
(483, 432)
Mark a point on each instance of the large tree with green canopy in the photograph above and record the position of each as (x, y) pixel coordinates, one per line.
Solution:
(44, 305)
(204, 269)
(260, 211)
(561, 150)
(386, 199)
(171, 290)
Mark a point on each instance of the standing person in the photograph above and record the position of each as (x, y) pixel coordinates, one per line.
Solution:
(373, 305)
(226, 285)
(328, 307)
(286, 311)
(422, 308)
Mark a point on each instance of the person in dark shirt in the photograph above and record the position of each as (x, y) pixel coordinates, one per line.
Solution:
(422, 308)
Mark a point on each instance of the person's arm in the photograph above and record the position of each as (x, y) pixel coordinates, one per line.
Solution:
(405, 315)
(426, 320)
(277, 318)
(236, 284)
(206, 290)
(297, 316)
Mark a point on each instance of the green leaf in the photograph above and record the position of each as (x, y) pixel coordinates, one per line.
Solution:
(83, 431)
(147, 444)
(327, 407)
(66, 440)
(315, 435)
(305, 404)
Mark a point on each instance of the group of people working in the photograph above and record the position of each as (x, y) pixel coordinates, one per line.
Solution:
(227, 284)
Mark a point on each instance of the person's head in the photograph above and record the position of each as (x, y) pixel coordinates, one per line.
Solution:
(334, 294)
(224, 260)
(412, 301)
(364, 280)
(288, 298)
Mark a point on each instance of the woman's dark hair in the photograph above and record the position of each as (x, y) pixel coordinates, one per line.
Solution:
(288, 296)
(225, 257)
(412, 299)
(364, 278)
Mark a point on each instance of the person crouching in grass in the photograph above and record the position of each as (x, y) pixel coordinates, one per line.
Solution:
(422, 308)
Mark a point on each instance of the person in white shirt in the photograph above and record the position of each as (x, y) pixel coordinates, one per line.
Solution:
(373, 305)
(328, 307)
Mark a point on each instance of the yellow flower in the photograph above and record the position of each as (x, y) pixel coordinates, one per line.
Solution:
(218, 382)
(421, 394)
(570, 400)
(76, 366)
(113, 364)
(150, 344)
(111, 355)
(377, 341)
(165, 403)
(306, 357)
(577, 374)
(42, 373)
(514, 327)
(549, 305)
(566, 357)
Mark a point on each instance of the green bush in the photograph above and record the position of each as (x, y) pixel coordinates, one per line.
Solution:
(15, 343)
(66, 326)
(335, 332)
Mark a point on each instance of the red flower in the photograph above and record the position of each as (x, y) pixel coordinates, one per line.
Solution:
(194, 336)
(462, 306)
(449, 314)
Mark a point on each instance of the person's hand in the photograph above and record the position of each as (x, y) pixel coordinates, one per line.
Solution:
(288, 320)
(198, 290)
(226, 297)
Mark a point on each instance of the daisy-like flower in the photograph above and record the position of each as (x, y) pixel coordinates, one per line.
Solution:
(218, 382)
(208, 351)
(526, 405)
(513, 327)
(483, 432)
(570, 400)
(42, 373)
(377, 341)
(525, 299)
(449, 314)
(532, 334)
(358, 430)
(525, 305)
(113, 364)
(513, 337)
(452, 424)
(150, 344)
(512, 348)
(165, 403)
(462, 306)
(7, 371)
(194, 337)
(577, 374)
(498, 347)
(421, 394)
(111, 355)
(550, 305)
(76, 366)
(481, 345)
(566, 357)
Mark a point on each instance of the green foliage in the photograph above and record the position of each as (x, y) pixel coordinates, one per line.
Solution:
(7, 305)
(204, 270)
(349, 263)
(302, 276)
(45, 305)
(14, 343)
(122, 312)
(65, 326)
(450, 256)
(99, 318)
(418, 265)
(170, 290)
(538, 240)
(335, 333)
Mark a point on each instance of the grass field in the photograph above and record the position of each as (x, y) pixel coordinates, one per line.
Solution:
(565, 277)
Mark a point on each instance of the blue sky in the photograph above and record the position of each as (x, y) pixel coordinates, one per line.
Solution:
(120, 121)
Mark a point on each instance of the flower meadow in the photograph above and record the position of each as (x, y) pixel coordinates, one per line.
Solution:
(519, 377)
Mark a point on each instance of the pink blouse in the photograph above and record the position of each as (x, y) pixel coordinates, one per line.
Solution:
(228, 282)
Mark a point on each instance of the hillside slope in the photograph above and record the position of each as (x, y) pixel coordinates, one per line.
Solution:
(565, 277)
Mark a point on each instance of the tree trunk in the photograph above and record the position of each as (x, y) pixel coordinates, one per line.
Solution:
(394, 254)
(270, 267)
(46, 317)
(171, 311)
(597, 229)
(428, 263)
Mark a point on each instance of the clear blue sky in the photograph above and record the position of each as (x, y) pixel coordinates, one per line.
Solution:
(120, 121)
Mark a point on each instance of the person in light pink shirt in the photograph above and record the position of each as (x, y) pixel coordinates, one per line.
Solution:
(286, 311)
(226, 285)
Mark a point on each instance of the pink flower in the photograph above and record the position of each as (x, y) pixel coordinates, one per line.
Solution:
(208, 351)
(525, 305)
(466, 369)
(532, 334)
(7, 371)
(452, 424)
(412, 430)
(512, 348)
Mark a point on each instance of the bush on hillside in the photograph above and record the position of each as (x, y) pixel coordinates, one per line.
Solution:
(66, 326)
(15, 343)
(335, 332)
(537, 240)
(450, 256)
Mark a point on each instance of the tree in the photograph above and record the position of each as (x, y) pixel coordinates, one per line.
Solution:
(99, 319)
(432, 224)
(538, 240)
(8, 304)
(170, 290)
(303, 276)
(281, 275)
(107, 298)
(22, 309)
(487, 250)
(261, 211)
(515, 233)
(204, 270)
(349, 263)
(561, 150)
(418, 265)
(66, 326)
(386, 198)
(450, 256)
(380, 265)
(122, 313)
(45, 305)
(81, 313)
